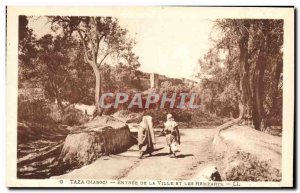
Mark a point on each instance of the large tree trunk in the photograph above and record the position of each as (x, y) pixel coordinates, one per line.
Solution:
(257, 85)
(60, 105)
(272, 115)
(57, 96)
(258, 114)
(97, 90)
(246, 97)
(93, 63)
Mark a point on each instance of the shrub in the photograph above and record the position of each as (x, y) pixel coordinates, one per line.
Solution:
(73, 116)
(45, 112)
(34, 111)
(246, 167)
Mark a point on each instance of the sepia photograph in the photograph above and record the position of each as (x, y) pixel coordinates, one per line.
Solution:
(150, 97)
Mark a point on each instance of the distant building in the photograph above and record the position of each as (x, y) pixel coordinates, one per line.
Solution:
(154, 80)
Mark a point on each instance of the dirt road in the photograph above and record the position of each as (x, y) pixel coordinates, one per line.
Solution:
(195, 154)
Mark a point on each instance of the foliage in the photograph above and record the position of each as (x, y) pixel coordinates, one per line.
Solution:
(103, 40)
(57, 64)
(34, 111)
(27, 49)
(121, 77)
(241, 74)
(73, 116)
(250, 168)
(220, 95)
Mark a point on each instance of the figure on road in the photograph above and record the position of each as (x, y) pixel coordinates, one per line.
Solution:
(171, 132)
(146, 138)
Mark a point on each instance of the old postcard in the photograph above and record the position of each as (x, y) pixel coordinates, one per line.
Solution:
(184, 97)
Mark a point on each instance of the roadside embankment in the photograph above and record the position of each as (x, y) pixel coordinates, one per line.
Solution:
(245, 154)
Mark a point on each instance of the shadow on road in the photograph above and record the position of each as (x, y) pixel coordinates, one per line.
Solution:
(157, 149)
(167, 154)
(184, 155)
(160, 154)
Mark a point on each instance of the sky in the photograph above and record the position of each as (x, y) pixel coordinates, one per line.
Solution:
(170, 47)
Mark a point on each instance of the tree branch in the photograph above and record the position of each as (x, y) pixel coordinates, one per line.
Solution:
(104, 57)
(84, 47)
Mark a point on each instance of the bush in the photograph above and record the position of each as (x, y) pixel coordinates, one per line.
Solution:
(34, 111)
(182, 116)
(45, 112)
(246, 167)
(73, 116)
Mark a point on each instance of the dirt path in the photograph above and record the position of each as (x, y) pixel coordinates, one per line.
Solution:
(195, 153)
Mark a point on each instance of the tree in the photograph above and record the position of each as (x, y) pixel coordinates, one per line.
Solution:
(55, 68)
(219, 76)
(58, 68)
(254, 49)
(27, 49)
(127, 77)
(102, 38)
